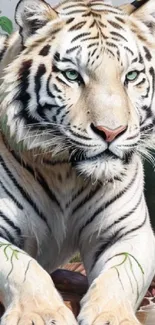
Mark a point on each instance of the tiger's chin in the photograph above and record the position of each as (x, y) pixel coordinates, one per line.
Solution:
(105, 168)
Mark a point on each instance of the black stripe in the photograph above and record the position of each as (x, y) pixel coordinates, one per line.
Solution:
(93, 24)
(151, 71)
(113, 239)
(48, 191)
(56, 88)
(7, 235)
(147, 53)
(23, 96)
(93, 44)
(2, 52)
(77, 26)
(25, 195)
(129, 50)
(106, 204)
(114, 24)
(112, 45)
(62, 81)
(79, 135)
(80, 36)
(10, 223)
(75, 6)
(72, 49)
(4, 236)
(11, 196)
(45, 50)
(81, 144)
(70, 20)
(91, 38)
(116, 222)
(87, 198)
(141, 82)
(37, 176)
(119, 36)
(74, 197)
(74, 12)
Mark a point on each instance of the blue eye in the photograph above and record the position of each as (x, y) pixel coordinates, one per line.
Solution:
(132, 75)
(71, 75)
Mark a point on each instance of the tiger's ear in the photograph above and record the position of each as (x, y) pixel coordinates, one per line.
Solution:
(31, 15)
(146, 15)
(129, 8)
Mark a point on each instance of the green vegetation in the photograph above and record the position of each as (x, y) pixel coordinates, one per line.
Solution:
(6, 24)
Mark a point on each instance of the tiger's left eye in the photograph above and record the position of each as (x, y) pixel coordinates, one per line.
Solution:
(132, 75)
(72, 75)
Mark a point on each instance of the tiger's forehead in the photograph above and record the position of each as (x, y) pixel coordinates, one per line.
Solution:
(93, 29)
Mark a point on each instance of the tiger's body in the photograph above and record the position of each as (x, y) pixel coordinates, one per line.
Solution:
(71, 175)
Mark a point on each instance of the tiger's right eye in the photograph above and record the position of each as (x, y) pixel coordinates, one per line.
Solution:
(132, 75)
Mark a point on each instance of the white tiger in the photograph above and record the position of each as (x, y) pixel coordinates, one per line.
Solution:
(77, 114)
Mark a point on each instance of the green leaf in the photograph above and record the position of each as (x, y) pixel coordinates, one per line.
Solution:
(6, 24)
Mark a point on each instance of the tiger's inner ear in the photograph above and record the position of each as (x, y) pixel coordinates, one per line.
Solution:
(31, 15)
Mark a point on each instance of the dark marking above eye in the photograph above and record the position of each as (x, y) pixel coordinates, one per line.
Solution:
(129, 50)
(134, 60)
(141, 60)
(45, 50)
(147, 53)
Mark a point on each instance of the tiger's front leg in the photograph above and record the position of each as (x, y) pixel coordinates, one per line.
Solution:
(119, 259)
(27, 291)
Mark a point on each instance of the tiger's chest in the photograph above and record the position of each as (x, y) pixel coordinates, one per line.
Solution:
(50, 201)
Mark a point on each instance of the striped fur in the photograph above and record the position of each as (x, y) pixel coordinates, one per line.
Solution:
(64, 185)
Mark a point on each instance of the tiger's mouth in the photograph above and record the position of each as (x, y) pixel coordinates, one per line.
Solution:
(80, 157)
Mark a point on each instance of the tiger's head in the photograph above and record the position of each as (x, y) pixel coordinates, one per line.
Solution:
(83, 84)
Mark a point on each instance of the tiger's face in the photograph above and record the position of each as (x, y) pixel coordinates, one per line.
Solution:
(83, 85)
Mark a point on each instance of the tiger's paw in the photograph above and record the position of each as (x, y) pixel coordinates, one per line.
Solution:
(38, 313)
(112, 313)
(106, 318)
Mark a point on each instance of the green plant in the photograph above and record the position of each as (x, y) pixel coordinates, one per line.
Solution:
(6, 24)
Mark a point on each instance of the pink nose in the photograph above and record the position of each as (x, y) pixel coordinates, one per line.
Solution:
(110, 134)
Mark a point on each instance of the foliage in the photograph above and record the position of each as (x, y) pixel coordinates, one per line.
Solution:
(6, 24)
